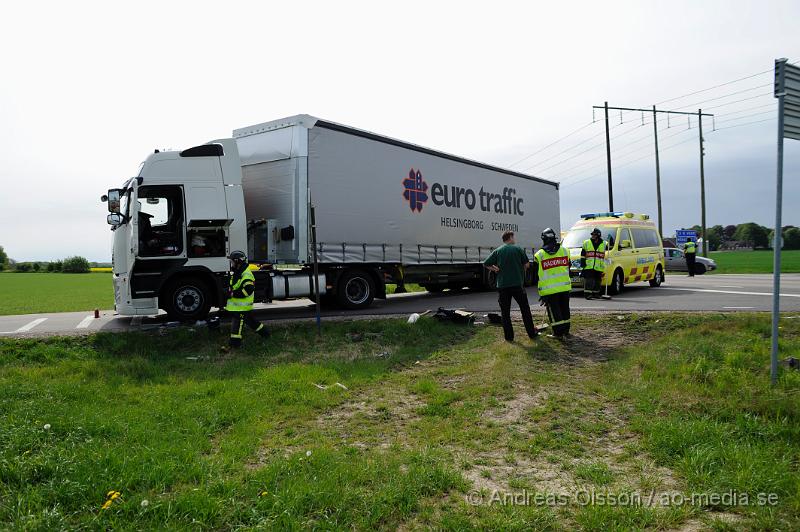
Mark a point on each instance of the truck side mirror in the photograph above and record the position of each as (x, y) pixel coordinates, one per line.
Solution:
(114, 200)
(114, 219)
(625, 244)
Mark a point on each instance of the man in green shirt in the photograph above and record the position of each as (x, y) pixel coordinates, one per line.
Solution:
(509, 262)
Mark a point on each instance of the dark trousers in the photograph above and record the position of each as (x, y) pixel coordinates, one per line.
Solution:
(239, 320)
(504, 296)
(690, 263)
(558, 312)
(591, 282)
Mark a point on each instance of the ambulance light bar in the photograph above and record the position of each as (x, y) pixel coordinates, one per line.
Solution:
(591, 215)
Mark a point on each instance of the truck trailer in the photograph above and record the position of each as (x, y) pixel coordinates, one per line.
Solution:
(302, 193)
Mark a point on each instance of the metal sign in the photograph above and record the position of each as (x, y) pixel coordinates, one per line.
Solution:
(683, 235)
(787, 84)
(787, 91)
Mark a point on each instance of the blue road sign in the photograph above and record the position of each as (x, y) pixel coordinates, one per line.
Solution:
(683, 235)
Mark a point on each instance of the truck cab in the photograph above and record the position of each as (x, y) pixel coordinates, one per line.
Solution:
(173, 226)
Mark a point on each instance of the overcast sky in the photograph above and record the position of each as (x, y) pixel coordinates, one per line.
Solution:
(89, 89)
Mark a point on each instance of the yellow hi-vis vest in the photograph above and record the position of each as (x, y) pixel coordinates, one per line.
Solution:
(242, 304)
(689, 247)
(595, 257)
(553, 271)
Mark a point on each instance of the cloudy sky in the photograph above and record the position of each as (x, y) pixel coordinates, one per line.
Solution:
(89, 89)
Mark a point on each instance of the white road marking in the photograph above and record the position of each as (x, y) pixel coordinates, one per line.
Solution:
(85, 322)
(729, 286)
(31, 325)
(728, 292)
(737, 308)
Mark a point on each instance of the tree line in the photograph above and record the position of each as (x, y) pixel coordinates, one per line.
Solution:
(749, 235)
(74, 264)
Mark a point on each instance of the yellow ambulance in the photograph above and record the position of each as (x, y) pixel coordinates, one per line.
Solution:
(634, 252)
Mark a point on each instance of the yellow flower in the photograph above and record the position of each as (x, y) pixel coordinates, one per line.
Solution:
(110, 493)
(115, 495)
(107, 504)
(263, 493)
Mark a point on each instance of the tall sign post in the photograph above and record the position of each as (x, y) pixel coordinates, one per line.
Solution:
(787, 91)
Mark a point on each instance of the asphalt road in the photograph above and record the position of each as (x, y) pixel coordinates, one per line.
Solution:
(727, 293)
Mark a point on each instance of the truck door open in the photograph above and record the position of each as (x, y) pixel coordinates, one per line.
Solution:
(160, 220)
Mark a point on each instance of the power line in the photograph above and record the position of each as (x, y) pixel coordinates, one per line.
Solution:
(572, 176)
(771, 104)
(714, 87)
(581, 152)
(745, 116)
(565, 151)
(724, 96)
(738, 101)
(747, 123)
(626, 164)
(552, 144)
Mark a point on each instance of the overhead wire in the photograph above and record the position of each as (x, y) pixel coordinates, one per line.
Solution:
(628, 163)
(581, 152)
(721, 97)
(622, 155)
(552, 143)
(714, 87)
(748, 123)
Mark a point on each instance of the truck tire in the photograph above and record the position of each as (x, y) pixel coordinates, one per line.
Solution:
(434, 288)
(658, 279)
(355, 289)
(186, 299)
(617, 283)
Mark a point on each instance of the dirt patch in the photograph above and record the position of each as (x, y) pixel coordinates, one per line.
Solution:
(548, 435)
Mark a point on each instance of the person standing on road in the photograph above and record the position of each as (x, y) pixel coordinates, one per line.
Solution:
(510, 262)
(593, 263)
(241, 293)
(690, 252)
(553, 281)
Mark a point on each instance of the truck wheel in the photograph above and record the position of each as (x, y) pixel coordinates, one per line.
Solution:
(434, 288)
(617, 283)
(186, 299)
(355, 289)
(658, 279)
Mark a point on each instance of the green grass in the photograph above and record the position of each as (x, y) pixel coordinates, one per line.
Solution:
(30, 293)
(265, 438)
(754, 261)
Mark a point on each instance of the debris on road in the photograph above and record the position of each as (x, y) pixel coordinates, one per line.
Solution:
(455, 315)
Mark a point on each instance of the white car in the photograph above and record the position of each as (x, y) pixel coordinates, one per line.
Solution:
(676, 262)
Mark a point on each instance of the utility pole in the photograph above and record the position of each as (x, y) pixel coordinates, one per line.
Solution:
(658, 176)
(608, 163)
(700, 114)
(702, 184)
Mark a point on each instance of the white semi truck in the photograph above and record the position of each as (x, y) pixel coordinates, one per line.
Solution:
(386, 212)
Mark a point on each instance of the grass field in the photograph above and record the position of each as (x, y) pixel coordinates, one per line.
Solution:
(430, 425)
(29, 293)
(755, 261)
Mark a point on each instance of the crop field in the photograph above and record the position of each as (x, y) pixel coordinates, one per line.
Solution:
(754, 261)
(29, 293)
(381, 424)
